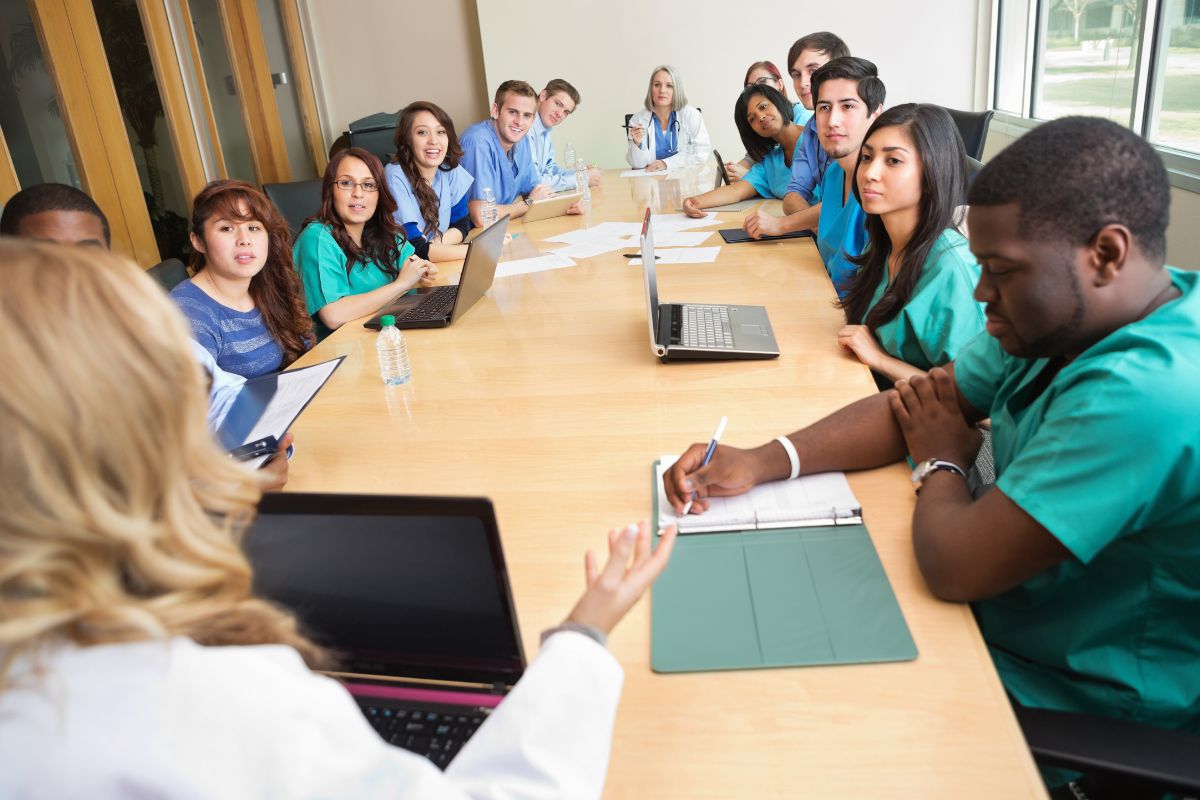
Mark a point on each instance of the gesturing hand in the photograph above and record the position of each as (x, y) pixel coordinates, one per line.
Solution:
(926, 407)
(612, 591)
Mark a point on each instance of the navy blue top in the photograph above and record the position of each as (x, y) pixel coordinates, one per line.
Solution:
(238, 340)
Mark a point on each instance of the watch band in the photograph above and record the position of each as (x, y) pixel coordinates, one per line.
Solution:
(793, 456)
(595, 634)
(528, 202)
(930, 466)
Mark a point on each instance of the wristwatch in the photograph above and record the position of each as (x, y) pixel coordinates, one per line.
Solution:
(927, 468)
(528, 202)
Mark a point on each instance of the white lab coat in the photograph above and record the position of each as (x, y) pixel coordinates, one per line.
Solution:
(173, 719)
(691, 123)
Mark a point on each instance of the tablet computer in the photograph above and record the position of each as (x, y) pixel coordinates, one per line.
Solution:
(553, 206)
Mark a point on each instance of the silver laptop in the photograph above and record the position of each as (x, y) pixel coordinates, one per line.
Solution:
(708, 332)
(439, 306)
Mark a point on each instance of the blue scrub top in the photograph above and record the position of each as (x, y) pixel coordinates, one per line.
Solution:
(800, 114)
(450, 186)
(666, 144)
(506, 174)
(1107, 459)
(541, 148)
(810, 164)
(842, 230)
(771, 176)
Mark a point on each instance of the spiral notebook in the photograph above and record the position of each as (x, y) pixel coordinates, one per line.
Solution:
(808, 502)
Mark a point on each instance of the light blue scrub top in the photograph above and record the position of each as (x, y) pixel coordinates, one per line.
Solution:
(541, 148)
(800, 114)
(450, 186)
(842, 229)
(1107, 459)
(506, 174)
(771, 176)
(941, 315)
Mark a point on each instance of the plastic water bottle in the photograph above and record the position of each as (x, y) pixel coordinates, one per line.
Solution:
(394, 366)
(488, 213)
(581, 178)
(689, 151)
(569, 156)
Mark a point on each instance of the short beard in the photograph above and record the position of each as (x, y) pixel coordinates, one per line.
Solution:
(1060, 340)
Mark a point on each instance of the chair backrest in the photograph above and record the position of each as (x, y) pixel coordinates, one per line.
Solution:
(973, 167)
(375, 134)
(973, 127)
(297, 201)
(169, 273)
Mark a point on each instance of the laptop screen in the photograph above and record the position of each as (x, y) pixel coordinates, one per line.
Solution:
(393, 586)
(479, 269)
(650, 275)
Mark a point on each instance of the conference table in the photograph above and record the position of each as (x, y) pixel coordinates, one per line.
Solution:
(547, 399)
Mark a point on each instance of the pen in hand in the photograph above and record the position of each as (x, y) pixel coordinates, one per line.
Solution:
(708, 454)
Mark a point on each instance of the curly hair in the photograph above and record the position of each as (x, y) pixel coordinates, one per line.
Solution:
(1072, 176)
(382, 237)
(275, 289)
(49, 197)
(427, 198)
(119, 515)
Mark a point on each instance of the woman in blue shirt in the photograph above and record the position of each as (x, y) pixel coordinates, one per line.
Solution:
(910, 305)
(352, 256)
(764, 120)
(243, 300)
(429, 184)
(659, 132)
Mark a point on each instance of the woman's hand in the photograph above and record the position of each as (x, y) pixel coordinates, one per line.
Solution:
(692, 209)
(656, 166)
(859, 340)
(417, 271)
(736, 170)
(612, 591)
(637, 133)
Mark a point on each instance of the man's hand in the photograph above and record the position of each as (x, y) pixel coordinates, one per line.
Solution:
(759, 223)
(594, 175)
(540, 191)
(730, 471)
(926, 407)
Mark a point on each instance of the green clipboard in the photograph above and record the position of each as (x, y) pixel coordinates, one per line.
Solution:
(774, 598)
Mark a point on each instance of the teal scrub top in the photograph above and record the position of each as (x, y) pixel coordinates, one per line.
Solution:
(322, 266)
(771, 176)
(941, 315)
(800, 114)
(1107, 459)
(842, 229)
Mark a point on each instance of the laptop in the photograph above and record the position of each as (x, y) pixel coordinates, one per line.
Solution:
(710, 332)
(439, 306)
(412, 597)
(722, 174)
(553, 206)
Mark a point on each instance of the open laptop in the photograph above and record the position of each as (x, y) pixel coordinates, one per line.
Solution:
(692, 331)
(412, 597)
(439, 306)
(722, 178)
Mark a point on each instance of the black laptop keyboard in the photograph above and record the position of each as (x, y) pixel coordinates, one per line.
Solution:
(437, 732)
(435, 305)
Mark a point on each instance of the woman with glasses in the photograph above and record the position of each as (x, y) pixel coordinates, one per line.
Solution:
(352, 255)
(764, 73)
(659, 133)
(243, 300)
(764, 119)
(429, 184)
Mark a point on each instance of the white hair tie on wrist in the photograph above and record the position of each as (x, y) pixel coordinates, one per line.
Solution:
(793, 456)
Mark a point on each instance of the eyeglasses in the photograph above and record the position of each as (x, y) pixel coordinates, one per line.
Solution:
(347, 185)
(764, 79)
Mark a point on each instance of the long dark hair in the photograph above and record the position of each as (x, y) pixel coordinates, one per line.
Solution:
(758, 146)
(943, 191)
(382, 236)
(276, 289)
(427, 198)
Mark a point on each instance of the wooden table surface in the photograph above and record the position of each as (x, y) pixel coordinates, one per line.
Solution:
(547, 399)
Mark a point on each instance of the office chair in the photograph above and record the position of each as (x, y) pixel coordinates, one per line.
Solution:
(973, 127)
(297, 201)
(375, 134)
(1135, 758)
(169, 273)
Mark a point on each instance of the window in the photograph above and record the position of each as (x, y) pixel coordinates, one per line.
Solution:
(1136, 62)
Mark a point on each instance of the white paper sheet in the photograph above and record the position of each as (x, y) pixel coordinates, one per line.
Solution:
(682, 239)
(294, 389)
(671, 223)
(682, 255)
(538, 264)
(586, 250)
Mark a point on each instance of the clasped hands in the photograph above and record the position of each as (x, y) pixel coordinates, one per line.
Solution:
(927, 410)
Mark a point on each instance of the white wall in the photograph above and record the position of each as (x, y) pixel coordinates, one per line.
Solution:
(380, 55)
(925, 50)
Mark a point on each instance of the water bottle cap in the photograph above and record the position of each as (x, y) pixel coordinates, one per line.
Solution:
(386, 320)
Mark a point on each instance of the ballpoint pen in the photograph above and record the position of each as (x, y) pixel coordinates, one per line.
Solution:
(708, 454)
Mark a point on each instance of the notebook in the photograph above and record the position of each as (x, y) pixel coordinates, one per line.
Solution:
(777, 597)
(738, 235)
(814, 500)
(413, 597)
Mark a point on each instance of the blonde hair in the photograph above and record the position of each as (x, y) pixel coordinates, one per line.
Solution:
(678, 99)
(119, 515)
